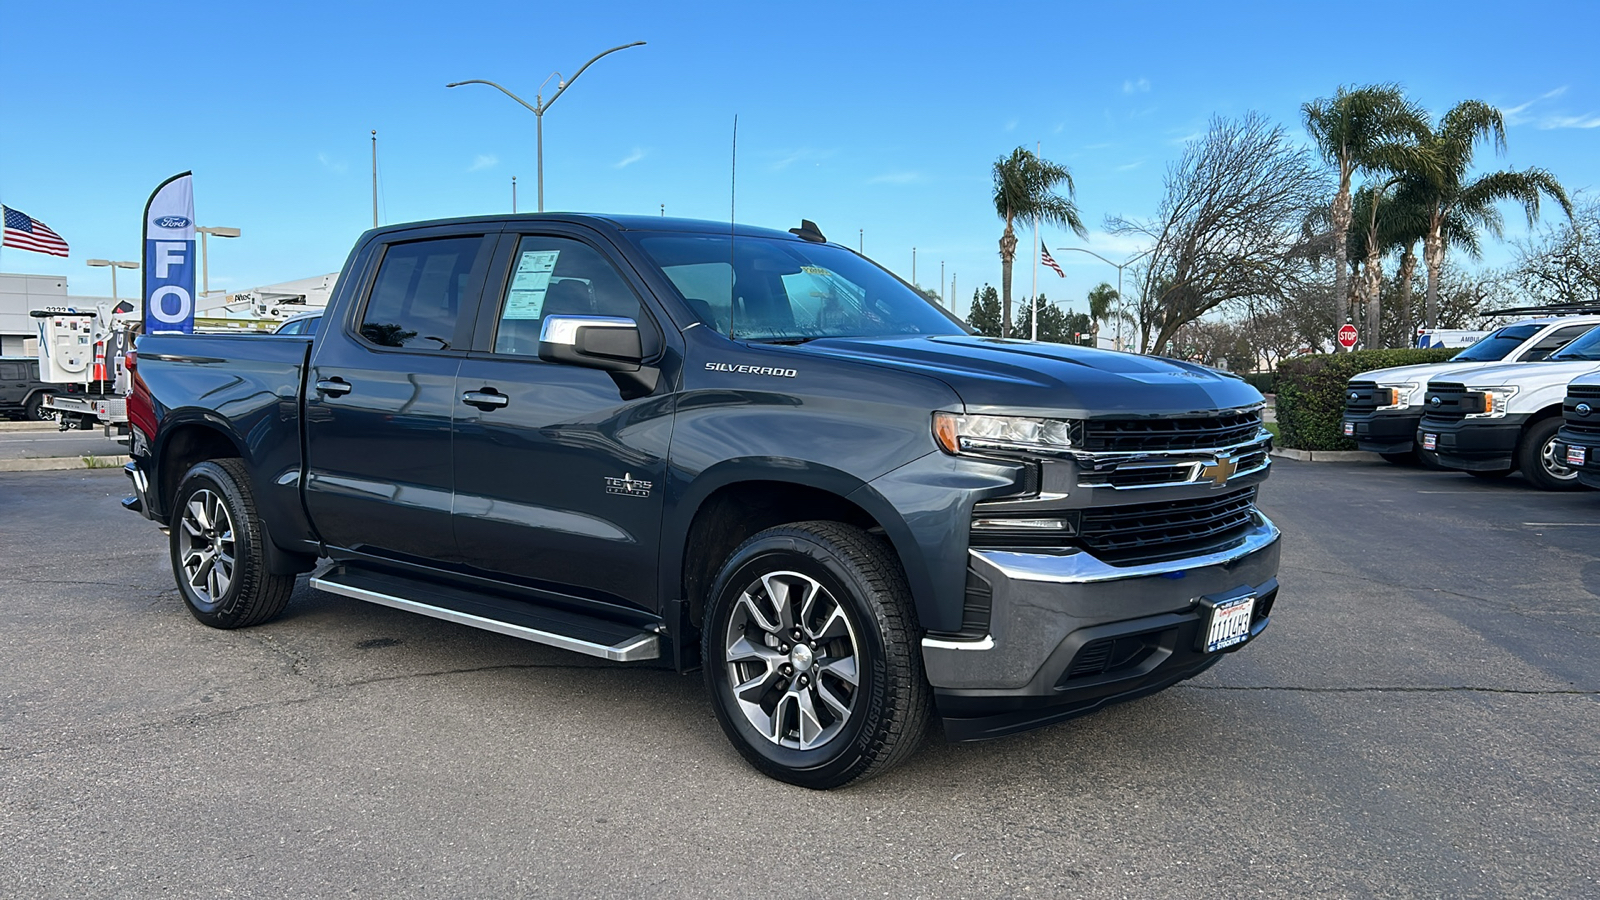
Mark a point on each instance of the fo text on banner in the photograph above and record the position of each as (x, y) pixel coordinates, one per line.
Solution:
(169, 257)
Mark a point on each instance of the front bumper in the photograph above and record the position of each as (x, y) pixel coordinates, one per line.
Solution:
(1069, 634)
(1473, 445)
(1382, 432)
(1589, 472)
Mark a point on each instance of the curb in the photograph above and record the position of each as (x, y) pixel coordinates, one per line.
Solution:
(29, 426)
(58, 463)
(1326, 455)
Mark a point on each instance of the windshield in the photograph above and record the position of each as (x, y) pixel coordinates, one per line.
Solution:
(789, 291)
(1495, 347)
(1584, 349)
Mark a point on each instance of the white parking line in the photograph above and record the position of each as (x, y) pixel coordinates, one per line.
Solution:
(1562, 524)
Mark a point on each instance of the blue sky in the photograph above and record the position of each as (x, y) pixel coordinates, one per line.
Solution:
(879, 120)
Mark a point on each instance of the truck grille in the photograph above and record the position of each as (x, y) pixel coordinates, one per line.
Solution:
(1144, 474)
(1582, 426)
(1151, 532)
(1175, 433)
(1448, 402)
(1361, 397)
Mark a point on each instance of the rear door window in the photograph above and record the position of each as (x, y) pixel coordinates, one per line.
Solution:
(418, 293)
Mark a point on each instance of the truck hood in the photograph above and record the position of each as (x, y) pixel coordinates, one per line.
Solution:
(1534, 373)
(995, 375)
(1402, 374)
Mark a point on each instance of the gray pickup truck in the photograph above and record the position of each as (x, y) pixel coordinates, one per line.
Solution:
(749, 452)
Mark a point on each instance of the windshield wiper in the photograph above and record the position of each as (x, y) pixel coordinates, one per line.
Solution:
(786, 341)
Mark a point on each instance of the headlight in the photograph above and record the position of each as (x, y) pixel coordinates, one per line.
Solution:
(1400, 395)
(1494, 400)
(1006, 434)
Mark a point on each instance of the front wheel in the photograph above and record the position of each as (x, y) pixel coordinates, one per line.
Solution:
(217, 549)
(811, 655)
(1539, 462)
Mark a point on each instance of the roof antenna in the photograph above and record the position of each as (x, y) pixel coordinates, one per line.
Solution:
(733, 188)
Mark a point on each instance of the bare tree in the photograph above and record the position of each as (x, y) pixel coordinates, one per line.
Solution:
(1229, 229)
(1560, 264)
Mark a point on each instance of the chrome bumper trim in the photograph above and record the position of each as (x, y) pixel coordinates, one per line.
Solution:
(1083, 568)
(987, 643)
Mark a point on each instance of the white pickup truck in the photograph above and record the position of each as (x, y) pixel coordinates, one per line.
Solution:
(1578, 441)
(1383, 407)
(1493, 420)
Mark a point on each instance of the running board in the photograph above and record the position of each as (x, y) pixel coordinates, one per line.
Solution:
(541, 625)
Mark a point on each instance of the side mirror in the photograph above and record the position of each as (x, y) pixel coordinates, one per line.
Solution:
(610, 344)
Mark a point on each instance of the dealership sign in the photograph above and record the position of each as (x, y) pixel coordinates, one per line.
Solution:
(169, 257)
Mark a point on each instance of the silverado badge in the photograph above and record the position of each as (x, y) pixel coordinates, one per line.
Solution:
(628, 486)
(1219, 470)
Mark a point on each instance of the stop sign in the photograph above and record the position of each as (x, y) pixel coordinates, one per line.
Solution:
(1347, 336)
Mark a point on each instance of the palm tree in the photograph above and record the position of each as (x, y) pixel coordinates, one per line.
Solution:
(1358, 128)
(1025, 188)
(1102, 308)
(1387, 222)
(1456, 207)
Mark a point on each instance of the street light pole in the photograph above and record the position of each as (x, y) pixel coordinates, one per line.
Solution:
(540, 105)
(114, 265)
(205, 258)
(1119, 267)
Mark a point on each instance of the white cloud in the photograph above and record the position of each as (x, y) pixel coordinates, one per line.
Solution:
(896, 178)
(1535, 112)
(1011, 124)
(332, 165)
(801, 154)
(1142, 86)
(483, 161)
(1184, 138)
(1117, 247)
(1128, 167)
(637, 154)
(1588, 121)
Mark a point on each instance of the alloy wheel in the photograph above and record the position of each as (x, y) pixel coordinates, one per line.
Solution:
(206, 546)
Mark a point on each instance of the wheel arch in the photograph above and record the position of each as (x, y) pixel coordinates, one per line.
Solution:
(730, 502)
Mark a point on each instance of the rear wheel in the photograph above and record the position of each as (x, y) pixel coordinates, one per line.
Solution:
(217, 549)
(1539, 461)
(811, 658)
(34, 410)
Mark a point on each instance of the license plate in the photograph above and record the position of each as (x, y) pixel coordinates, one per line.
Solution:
(1430, 442)
(1349, 429)
(1577, 456)
(1230, 623)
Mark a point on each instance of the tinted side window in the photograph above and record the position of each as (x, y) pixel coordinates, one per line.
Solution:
(1559, 338)
(553, 276)
(309, 326)
(418, 293)
(11, 372)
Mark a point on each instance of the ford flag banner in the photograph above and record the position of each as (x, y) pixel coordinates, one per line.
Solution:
(169, 257)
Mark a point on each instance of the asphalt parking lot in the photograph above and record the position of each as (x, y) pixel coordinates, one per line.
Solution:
(1421, 720)
(43, 440)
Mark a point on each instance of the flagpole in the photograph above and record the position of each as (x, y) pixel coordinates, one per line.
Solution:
(1037, 243)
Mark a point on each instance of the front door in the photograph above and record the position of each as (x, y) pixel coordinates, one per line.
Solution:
(379, 398)
(558, 479)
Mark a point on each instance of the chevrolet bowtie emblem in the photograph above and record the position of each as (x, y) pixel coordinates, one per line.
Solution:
(1219, 471)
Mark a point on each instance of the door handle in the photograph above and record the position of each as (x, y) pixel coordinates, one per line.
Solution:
(338, 387)
(486, 399)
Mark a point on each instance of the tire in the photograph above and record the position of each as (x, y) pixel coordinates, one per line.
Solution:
(844, 594)
(34, 410)
(1536, 456)
(1496, 475)
(1409, 458)
(215, 512)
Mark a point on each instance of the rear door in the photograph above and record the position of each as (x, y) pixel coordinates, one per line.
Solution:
(559, 480)
(380, 394)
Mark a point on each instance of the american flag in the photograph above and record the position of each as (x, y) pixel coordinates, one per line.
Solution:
(27, 233)
(1049, 260)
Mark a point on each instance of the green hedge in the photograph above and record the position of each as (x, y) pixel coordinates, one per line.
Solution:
(1311, 392)
(1261, 381)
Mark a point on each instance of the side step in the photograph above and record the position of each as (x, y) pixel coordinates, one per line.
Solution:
(552, 627)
